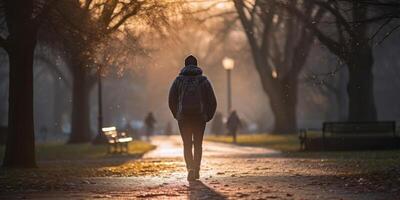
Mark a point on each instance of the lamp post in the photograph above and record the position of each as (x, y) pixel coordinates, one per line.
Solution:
(228, 64)
(100, 137)
(100, 103)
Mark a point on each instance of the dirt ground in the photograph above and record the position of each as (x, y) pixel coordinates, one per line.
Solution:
(228, 172)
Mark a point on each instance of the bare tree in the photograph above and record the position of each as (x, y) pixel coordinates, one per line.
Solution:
(385, 13)
(83, 27)
(21, 30)
(344, 34)
(279, 46)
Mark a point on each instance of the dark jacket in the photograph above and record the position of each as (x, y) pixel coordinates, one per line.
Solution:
(150, 121)
(207, 92)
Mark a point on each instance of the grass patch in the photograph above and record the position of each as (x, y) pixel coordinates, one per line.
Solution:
(284, 143)
(361, 161)
(86, 151)
(63, 166)
(59, 151)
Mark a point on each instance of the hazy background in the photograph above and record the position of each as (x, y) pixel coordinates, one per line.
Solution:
(141, 83)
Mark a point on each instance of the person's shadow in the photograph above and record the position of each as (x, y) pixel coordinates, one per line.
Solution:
(198, 190)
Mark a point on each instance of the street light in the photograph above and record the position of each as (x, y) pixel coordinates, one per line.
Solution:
(100, 137)
(228, 64)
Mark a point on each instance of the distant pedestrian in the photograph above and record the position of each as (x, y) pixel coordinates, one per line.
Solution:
(149, 122)
(192, 102)
(233, 124)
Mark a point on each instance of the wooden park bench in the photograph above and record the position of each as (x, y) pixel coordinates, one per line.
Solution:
(351, 136)
(117, 141)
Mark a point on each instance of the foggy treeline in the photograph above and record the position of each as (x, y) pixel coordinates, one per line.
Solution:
(140, 88)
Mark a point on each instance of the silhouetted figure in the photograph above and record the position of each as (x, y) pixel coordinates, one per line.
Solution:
(149, 122)
(233, 124)
(217, 125)
(192, 102)
(168, 129)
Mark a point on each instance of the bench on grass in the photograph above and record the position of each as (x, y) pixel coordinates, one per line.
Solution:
(351, 136)
(117, 141)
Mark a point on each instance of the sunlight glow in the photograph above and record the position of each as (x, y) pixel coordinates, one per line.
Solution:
(275, 19)
(221, 5)
(274, 73)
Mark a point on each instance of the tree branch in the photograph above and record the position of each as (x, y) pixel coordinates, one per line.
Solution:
(108, 11)
(267, 22)
(330, 43)
(87, 4)
(339, 18)
(248, 29)
(45, 12)
(388, 34)
(122, 20)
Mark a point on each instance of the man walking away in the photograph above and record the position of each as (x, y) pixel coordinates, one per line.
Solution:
(149, 122)
(192, 102)
(233, 124)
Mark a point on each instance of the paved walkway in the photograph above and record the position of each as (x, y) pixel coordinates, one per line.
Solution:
(171, 147)
(232, 172)
(228, 172)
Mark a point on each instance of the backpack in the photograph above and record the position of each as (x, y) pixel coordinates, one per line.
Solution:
(190, 102)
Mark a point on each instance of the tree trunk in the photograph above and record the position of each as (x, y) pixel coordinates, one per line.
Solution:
(20, 148)
(360, 87)
(80, 126)
(283, 104)
(282, 94)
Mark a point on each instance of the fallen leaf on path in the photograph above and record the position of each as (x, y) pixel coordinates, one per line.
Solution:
(214, 182)
(239, 194)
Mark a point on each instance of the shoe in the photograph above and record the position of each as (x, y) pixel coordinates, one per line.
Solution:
(197, 174)
(191, 175)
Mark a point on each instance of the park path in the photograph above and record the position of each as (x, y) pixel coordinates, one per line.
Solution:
(171, 147)
(228, 172)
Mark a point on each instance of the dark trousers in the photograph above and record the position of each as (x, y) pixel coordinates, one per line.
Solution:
(233, 133)
(192, 132)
